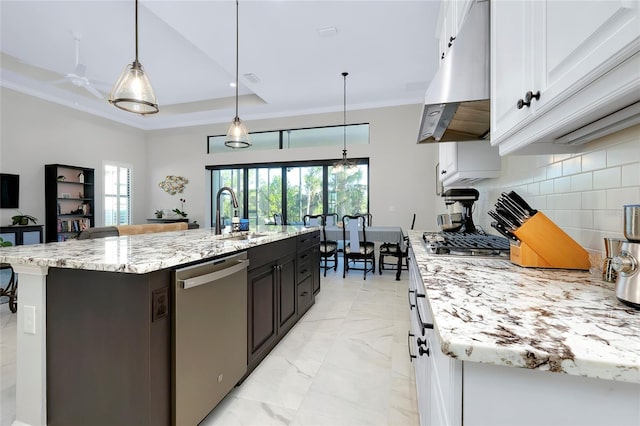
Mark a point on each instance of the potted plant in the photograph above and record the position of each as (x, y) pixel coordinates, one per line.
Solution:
(4, 243)
(159, 214)
(23, 219)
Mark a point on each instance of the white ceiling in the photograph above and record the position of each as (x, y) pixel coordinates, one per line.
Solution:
(188, 50)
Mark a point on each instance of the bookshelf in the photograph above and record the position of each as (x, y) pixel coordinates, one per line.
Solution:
(69, 201)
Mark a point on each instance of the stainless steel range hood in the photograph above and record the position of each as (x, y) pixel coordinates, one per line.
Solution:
(457, 101)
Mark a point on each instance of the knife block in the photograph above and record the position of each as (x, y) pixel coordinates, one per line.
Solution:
(544, 245)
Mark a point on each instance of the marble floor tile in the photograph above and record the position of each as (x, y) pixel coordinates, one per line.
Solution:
(353, 393)
(245, 412)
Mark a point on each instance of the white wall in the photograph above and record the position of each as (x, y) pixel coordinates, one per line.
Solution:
(36, 132)
(583, 193)
(401, 172)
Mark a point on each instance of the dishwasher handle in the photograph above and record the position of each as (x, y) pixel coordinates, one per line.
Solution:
(213, 276)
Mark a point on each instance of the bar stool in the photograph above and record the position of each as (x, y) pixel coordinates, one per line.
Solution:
(11, 290)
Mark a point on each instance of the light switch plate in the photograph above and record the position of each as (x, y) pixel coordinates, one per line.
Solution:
(29, 319)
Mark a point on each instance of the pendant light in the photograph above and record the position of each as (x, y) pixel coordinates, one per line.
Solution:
(133, 92)
(344, 165)
(237, 135)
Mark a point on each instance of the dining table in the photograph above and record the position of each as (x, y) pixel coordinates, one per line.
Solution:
(377, 233)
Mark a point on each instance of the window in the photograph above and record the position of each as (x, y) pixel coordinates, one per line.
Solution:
(357, 134)
(291, 189)
(117, 194)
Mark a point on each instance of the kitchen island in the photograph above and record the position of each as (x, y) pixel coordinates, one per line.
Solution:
(495, 343)
(123, 284)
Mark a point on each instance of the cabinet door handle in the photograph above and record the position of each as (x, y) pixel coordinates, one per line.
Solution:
(424, 351)
(526, 102)
(411, 305)
(444, 172)
(411, 356)
(442, 57)
(421, 342)
(423, 325)
(451, 41)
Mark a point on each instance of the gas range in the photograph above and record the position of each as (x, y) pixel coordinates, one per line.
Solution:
(466, 244)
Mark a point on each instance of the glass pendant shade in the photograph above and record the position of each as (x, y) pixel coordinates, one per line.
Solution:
(344, 165)
(133, 92)
(237, 135)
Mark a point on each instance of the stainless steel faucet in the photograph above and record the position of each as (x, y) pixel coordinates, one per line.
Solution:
(233, 199)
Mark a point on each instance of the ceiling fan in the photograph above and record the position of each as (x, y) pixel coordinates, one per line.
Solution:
(79, 75)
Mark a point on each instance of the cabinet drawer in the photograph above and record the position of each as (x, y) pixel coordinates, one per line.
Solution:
(305, 296)
(306, 241)
(304, 264)
(267, 253)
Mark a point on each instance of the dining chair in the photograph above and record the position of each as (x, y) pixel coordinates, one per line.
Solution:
(356, 249)
(277, 218)
(331, 219)
(368, 218)
(397, 250)
(328, 248)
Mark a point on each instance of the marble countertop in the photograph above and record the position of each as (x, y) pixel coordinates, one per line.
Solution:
(493, 311)
(140, 254)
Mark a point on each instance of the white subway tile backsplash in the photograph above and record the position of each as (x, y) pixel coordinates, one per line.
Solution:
(581, 182)
(608, 220)
(554, 170)
(570, 201)
(572, 166)
(533, 189)
(562, 184)
(574, 218)
(607, 178)
(546, 187)
(631, 175)
(617, 198)
(560, 157)
(623, 153)
(594, 200)
(583, 193)
(594, 160)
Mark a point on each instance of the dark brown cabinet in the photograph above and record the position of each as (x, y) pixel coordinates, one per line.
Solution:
(308, 248)
(281, 280)
(287, 295)
(272, 297)
(261, 313)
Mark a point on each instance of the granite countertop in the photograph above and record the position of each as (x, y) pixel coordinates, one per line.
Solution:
(493, 311)
(140, 254)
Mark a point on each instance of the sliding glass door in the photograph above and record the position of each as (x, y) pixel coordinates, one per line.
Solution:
(304, 193)
(264, 194)
(291, 189)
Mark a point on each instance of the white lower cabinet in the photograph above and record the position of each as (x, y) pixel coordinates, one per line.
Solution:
(454, 393)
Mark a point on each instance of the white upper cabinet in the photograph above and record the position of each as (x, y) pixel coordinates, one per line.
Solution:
(559, 65)
(463, 163)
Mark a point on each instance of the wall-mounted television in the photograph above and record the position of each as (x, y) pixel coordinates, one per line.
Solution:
(9, 191)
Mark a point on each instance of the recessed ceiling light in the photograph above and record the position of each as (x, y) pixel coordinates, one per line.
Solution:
(327, 31)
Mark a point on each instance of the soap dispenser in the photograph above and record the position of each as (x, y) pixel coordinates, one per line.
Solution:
(235, 222)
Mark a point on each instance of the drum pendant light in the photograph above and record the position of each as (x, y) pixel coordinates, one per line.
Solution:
(344, 165)
(237, 135)
(133, 92)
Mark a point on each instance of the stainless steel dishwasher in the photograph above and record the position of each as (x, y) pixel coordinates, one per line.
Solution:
(209, 342)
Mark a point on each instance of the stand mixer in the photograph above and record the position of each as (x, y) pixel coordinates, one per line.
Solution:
(466, 197)
(626, 263)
